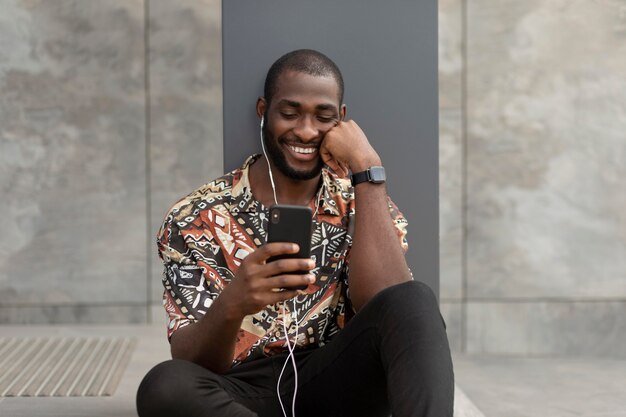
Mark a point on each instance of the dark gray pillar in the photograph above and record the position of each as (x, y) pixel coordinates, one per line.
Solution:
(387, 52)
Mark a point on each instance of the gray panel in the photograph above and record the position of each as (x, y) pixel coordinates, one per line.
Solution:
(387, 52)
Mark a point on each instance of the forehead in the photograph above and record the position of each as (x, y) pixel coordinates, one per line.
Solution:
(306, 88)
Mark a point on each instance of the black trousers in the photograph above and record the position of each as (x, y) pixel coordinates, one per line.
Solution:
(391, 358)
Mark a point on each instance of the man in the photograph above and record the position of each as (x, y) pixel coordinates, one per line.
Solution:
(369, 341)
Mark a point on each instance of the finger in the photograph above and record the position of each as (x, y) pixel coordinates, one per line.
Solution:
(326, 156)
(282, 266)
(339, 168)
(344, 169)
(277, 297)
(289, 281)
(268, 250)
(332, 164)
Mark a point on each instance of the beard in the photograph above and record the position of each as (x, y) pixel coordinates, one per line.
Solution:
(279, 160)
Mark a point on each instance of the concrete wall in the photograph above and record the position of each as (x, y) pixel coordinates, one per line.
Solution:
(532, 157)
(109, 112)
(533, 168)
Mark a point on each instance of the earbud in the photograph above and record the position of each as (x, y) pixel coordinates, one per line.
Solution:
(262, 121)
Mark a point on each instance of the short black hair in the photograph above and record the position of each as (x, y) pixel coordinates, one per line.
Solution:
(307, 61)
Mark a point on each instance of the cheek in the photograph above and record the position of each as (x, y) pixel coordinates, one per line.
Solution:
(280, 129)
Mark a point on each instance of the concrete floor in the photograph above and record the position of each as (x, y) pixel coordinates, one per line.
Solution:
(152, 348)
(491, 386)
(543, 387)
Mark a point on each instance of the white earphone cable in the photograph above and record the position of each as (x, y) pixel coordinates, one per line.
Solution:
(269, 167)
(291, 356)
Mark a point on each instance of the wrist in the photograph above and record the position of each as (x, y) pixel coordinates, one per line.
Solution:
(363, 163)
(228, 309)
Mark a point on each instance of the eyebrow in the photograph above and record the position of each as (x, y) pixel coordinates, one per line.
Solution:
(326, 107)
(296, 104)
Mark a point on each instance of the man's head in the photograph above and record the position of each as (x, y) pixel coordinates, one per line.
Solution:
(306, 61)
(303, 100)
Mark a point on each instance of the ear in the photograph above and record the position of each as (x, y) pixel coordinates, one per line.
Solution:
(342, 112)
(261, 106)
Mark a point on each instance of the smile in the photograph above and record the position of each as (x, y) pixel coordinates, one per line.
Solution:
(297, 149)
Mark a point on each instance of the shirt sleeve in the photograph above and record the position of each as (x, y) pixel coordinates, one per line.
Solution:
(191, 281)
(400, 224)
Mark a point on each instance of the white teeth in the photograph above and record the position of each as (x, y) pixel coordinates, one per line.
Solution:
(303, 150)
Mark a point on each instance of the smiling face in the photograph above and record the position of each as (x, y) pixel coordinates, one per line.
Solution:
(303, 108)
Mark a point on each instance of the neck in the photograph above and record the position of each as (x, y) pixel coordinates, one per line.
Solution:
(288, 190)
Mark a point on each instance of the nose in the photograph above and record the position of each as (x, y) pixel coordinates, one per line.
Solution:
(306, 130)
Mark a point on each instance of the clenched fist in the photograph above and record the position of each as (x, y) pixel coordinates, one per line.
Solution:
(345, 147)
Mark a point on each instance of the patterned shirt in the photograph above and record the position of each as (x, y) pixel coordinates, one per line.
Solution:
(207, 234)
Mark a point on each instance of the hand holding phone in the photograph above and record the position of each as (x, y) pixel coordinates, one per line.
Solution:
(289, 223)
(254, 285)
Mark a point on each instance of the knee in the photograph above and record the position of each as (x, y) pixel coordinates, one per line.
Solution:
(410, 295)
(156, 391)
(409, 301)
(166, 387)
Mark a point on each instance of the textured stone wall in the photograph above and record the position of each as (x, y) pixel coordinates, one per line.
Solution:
(109, 112)
(186, 107)
(451, 169)
(533, 168)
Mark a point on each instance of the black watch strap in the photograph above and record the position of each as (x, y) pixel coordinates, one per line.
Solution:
(359, 177)
(374, 175)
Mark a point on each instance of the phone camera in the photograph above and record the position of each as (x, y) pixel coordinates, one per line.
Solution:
(275, 216)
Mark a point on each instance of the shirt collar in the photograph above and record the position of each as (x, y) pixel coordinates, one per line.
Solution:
(242, 199)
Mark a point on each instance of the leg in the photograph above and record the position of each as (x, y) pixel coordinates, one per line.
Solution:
(415, 352)
(393, 355)
(182, 388)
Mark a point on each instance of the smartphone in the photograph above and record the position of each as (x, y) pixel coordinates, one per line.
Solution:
(291, 224)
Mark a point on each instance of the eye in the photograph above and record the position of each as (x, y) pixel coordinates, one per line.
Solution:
(326, 119)
(288, 116)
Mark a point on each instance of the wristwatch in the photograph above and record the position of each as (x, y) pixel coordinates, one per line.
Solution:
(375, 175)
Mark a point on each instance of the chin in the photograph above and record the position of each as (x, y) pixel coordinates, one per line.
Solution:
(296, 174)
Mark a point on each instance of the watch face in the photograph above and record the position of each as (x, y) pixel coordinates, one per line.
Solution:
(377, 174)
